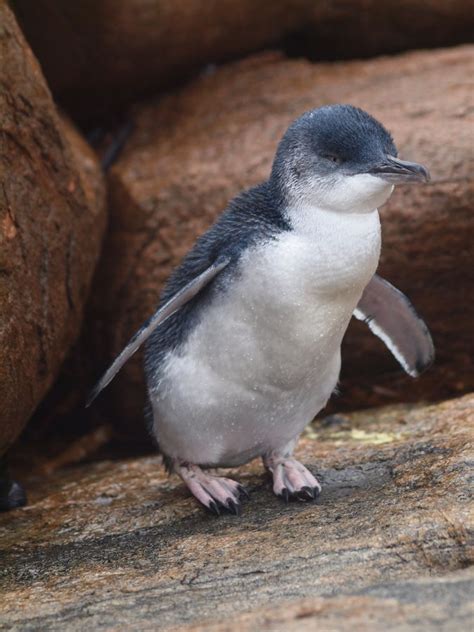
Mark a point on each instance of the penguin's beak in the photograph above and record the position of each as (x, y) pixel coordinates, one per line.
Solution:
(397, 171)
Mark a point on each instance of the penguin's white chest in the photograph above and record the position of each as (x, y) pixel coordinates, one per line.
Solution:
(265, 356)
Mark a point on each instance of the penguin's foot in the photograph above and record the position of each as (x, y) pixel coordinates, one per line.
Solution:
(291, 479)
(216, 493)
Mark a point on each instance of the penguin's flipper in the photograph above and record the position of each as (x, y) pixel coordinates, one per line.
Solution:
(181, 297)
(392, 318)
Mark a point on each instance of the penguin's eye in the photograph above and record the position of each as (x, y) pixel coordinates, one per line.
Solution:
(332, 158)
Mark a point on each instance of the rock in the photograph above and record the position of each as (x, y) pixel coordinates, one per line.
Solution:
(344, 30)
(119, 545)
(427, 603)
(194, 150)
(112, 52)
(52, 216)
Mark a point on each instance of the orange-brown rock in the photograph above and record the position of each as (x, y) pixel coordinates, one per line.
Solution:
(100, 54)
(194, 150)
(114, 50)
(426, 603)
(118, 545)
(363, 28)
(52, 216)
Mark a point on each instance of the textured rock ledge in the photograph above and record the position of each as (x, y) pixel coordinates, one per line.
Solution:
(419, 605)
(118, 545)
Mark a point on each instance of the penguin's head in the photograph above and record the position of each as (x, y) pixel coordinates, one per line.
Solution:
(340, 158)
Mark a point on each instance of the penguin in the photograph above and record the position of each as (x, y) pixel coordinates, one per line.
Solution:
(245, 346)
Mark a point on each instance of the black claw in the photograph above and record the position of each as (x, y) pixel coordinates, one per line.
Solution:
(285, 495)
(213, 508)
(309, 491)
(222, 506)
(316, 491)
(299, 495)
(243, 492)
(233, 507)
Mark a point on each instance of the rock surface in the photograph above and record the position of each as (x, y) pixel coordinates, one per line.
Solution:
(194, 150)
(52, 216)
(117, 545)
(422, 605)
(112, 51)
(355, 28)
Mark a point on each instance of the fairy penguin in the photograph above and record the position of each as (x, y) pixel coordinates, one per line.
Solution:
(245, 347)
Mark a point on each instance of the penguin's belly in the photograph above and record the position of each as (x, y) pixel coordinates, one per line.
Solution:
(265, 356)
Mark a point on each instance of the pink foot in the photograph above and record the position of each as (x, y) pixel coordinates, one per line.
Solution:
(292, 479)
(214, 492)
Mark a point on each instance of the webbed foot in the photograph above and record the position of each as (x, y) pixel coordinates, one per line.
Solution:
(216, 493)
(291, 479)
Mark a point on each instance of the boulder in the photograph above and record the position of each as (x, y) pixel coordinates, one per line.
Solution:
(195, 149)
(114, 51)
(101, 54)
(364, 28)
(118, 545)
(52, 217)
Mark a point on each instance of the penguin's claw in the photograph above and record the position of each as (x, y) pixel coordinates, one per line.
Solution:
(305, 493)
(285, 495)
(213, 508)
(243, 492)
(216, 493)
(233, 507)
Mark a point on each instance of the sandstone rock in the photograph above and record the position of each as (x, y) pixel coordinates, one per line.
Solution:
(114, 50)
(118, 545)
(421, 605)
(98, 55)
(52, 215)
(194, 150)
(352, 28)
